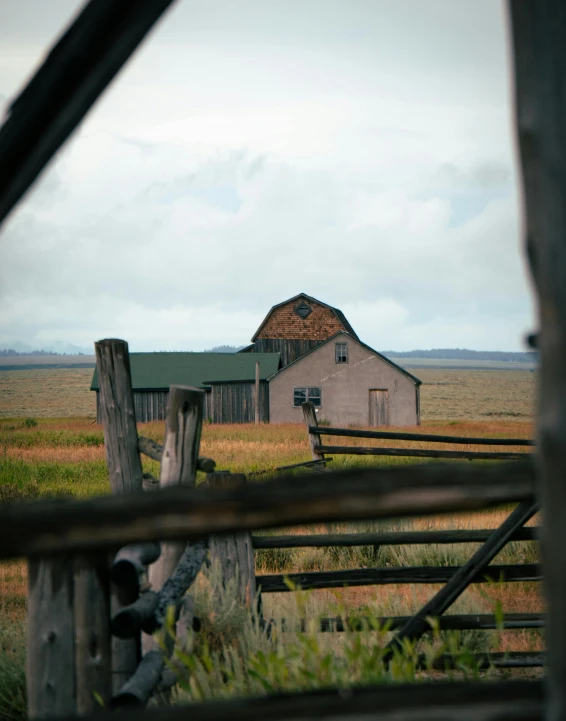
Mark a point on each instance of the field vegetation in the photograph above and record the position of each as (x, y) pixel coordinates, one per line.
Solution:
(45, 455)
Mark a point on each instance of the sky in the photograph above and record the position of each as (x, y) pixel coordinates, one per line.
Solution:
(361, 152)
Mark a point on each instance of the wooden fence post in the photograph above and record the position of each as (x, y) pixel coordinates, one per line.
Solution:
(537, 31)
(125, 472)
(257, 393)
(93, 652)
(234, 553)
(51, 638)
(314, 438)
(178, 468)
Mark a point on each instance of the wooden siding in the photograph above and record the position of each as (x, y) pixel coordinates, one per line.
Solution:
(234, 403)
(290, 349)
(283, 322)
(149, 406)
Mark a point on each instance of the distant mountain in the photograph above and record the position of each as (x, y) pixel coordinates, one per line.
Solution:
(225, 349)
(464, 354)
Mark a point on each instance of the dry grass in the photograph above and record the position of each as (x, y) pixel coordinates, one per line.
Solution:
(47, 393)
(446, 393)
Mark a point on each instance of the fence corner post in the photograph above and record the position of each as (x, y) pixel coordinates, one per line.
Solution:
(314, 438)
(234, 553)
(124, 469)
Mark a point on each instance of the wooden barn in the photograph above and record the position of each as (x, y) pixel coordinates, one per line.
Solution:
(227, 378)
(296, 326)
(349, 383)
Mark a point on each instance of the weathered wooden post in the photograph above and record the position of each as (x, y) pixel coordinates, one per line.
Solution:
(538, 29)
(233, 554)
(178, 464)
(50, 650)
(125, 472)
(257, 393)
(314, 438)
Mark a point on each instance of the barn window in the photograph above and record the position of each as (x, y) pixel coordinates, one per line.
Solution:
(341, 352)
(303, 310)
(302, 395)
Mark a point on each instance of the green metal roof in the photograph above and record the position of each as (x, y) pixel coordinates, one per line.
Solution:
(158, 371)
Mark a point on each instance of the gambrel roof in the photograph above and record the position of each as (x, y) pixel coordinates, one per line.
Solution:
(303, 296)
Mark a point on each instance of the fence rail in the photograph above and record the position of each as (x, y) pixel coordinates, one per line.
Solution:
(423, 437)
(386, 538)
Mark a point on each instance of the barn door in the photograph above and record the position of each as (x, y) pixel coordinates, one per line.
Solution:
(378, 408)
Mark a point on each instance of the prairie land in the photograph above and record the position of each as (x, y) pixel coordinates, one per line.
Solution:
(446, 394)
(51, 445)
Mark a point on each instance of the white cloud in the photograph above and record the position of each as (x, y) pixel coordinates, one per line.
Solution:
(224, 174)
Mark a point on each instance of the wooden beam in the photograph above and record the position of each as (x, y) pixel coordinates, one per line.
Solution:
(124, 469)
(154, 450)
(386, 538)
(40, 527)
(480, 701)
(233, 552)
(420, 453)
(50, 672)
(452, 622)
(277, 582)
(256, 397)
(76, 71)
(311, 422)
(478, 564)
(538, 29)
(93, 651)
(422, 437)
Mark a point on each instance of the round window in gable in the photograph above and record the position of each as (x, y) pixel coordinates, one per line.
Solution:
(303, 310)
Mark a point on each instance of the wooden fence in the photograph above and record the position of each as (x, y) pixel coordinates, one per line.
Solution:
(71, 655)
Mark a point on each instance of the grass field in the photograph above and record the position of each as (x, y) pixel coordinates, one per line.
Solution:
(446, 394)
(44, 453)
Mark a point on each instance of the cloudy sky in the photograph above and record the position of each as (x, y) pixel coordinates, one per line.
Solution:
(360, 151)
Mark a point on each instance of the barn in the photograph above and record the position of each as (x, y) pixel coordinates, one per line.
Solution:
(307, 350)
(349, 383)
(296, 326)
(227, 378)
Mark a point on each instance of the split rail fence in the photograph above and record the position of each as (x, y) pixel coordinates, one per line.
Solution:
(83, 569)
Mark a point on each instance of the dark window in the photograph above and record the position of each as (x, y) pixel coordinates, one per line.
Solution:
(302, 395)
(303, 310)
(341, 352)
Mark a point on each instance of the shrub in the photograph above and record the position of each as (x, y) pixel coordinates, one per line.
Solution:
(30, 423)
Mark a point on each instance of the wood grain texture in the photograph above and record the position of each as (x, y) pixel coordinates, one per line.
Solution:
(124, 469)
(76, 71)
(232, 554)
(118, 418)
(276, 582)
(386, 538)
(177, 513)
(178, 467)
(421, 437)
(452, 622)
(469, 571)
(538, 29)
(419, 453)
(50, 673)
(435, 701)
(154, 450)
(311, 422)
(93, 654)
(130, 565)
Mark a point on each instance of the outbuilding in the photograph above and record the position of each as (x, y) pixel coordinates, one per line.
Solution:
(227, 378)
(349, 383)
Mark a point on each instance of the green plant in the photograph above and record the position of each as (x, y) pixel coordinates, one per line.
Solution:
(12, 673)
(30, 423)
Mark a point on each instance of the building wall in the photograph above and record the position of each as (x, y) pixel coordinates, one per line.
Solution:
(345, 388)
(150, 406)
(235, 403)
(283, 322)
(290, 349)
